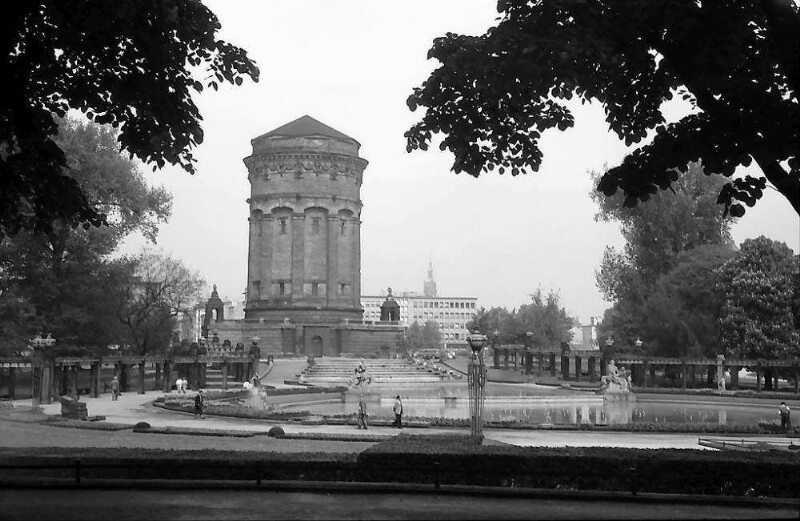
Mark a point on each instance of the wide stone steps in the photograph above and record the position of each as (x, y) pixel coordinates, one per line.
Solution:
(331, 371)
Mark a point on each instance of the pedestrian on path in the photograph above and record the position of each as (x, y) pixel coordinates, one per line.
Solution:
(786, 416)
(114, 389)
(362, 412)
(199, 405)
(397, 408)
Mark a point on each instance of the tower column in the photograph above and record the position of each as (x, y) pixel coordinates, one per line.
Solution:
(355, 295)
(264, 258)
(332, 283)
(298, 256)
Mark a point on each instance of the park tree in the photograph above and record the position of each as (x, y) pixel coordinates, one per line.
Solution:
(736, 62)
(59, 281)
(658, 237)
(132, 65)
(426, 336)
(157, 290)
(544, 316)
(757, 319)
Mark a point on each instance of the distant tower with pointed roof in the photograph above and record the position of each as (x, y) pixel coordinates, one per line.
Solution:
(305, 229)
(429, 286)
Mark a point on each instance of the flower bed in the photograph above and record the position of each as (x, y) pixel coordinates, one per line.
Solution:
(93, 426)
(189, 431)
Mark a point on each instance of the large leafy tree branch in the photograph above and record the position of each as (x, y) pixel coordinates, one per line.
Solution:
(494, 95)
(133, 65)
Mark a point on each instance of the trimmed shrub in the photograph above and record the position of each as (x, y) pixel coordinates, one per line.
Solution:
(142, 426)
(276, 432)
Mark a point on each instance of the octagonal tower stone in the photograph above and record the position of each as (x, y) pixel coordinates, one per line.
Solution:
(304, 260)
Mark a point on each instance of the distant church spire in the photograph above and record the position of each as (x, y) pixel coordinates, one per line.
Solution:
(429, 287)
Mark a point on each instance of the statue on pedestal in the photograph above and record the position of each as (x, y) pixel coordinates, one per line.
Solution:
(616, 381)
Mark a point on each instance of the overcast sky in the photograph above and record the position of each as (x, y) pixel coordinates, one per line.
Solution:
(351, 64)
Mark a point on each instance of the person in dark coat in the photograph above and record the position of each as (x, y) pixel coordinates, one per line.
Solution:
(397, 408)
(362, 412)
(199, 405)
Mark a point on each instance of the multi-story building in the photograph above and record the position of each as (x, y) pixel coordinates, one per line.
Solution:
(451, 314)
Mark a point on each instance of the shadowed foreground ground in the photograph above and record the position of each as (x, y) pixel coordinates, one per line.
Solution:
(175, 505)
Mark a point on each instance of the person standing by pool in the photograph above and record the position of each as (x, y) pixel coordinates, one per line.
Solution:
(114, 389)
(397, 408)
(786, 416)
(362, 412)
(199, 404)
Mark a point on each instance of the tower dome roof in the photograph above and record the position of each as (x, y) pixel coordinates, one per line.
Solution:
(307, 126)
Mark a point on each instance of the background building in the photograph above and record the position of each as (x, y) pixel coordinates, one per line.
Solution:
(304, 262)
(451, 314)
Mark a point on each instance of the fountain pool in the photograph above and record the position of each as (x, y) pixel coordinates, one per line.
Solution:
(544, 405)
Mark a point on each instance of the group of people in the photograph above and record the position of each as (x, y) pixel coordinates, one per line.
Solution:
(181, 385)
(397, 409)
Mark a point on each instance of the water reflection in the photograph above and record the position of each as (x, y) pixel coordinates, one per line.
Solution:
(608, 413)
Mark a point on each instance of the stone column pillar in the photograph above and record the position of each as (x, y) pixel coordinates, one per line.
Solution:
(796, 380)
(720, 372)
(645, 370)
(157, 384)
(683, 375)
(94, 379)
(528, 362)
(564, 367)
(12, 381)
(735, 377)
(592, 370)
(224, 374)
(577, 368)
(495, 358)
(141, 377)
(552, 364)
(167, 376)
(505, 358)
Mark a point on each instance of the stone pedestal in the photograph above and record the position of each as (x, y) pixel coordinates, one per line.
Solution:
(73, 409)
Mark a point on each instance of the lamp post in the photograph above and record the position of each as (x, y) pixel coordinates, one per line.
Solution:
(476, 381)
(638, 342)
(495, 352)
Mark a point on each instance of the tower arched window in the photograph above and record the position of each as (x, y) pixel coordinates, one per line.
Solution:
(343, 225)
(283, 225)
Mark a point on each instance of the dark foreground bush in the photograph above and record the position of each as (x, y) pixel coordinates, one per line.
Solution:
(458, 460)
(141, 426)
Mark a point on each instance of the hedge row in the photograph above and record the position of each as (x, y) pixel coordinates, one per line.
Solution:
(458, 460)
(455, 460)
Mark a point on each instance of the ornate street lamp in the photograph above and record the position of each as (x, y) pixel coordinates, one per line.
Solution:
(609, 341)
(476, 381)
(638, 342)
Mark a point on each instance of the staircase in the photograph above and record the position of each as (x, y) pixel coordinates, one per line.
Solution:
(214, 379)
(341, 371)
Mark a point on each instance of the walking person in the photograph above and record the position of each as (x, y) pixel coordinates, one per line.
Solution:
(114, 389)
(362, 412)
(199, 405)
(397, 408)
(786, 416)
